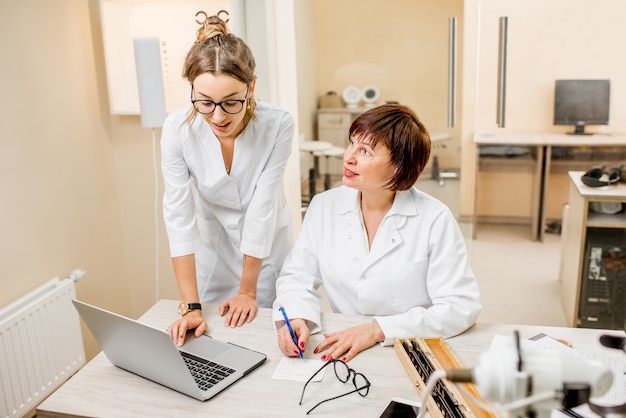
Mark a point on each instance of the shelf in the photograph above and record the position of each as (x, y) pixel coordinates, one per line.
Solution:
(565, 165)
(524, 164)
(527, 164)
(606, 220)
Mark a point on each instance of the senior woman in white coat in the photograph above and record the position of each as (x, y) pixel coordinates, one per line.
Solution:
(380, 247)
(223, 161)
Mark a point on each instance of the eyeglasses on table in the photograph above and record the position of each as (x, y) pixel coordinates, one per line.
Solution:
(343, 373)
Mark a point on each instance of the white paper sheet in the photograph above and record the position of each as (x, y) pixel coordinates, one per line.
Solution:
(300, 370)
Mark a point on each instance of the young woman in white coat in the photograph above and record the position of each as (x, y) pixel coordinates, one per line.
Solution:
(380, 247)
(223, 162)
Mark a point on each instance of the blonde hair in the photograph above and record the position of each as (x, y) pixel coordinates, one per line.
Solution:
(218, 51)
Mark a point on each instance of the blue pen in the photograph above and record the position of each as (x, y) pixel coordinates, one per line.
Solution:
(293, 334)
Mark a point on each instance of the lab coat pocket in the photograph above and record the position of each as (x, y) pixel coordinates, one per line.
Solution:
(408, 283)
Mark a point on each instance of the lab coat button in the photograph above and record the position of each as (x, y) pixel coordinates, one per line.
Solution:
(393, 240)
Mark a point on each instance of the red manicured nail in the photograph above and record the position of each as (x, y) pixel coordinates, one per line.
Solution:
(344, 359)
(302, 344)
(315, 351)
(296, 352)
(324, 357)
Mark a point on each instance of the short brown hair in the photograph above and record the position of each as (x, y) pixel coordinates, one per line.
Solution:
(399, 129)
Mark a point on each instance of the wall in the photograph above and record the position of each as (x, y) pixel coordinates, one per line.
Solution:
(307, 65)
(61, 205)
(401, 46)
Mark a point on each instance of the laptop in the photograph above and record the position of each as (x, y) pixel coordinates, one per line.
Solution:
(201, 368)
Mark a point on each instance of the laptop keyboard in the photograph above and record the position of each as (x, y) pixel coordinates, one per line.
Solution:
(205, 372)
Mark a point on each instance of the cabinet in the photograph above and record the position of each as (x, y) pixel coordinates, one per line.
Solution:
(541, 47)
(333, 125)
(593, 256)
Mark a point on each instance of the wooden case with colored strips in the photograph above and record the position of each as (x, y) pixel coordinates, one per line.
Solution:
(428, 355)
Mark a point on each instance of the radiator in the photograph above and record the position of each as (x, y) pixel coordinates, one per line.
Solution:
(41, 345)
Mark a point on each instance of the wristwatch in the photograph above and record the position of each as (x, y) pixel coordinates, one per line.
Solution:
(184, 308)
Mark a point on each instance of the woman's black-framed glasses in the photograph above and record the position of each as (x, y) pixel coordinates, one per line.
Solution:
(230, 106)
(343, 373)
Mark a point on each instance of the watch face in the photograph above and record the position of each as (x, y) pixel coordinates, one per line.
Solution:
(184, 307)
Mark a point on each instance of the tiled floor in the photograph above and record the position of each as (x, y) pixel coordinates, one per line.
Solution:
(518, 277)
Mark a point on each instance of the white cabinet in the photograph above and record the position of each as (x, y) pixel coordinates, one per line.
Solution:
(333, 125)
(542, 46)
(593, 256)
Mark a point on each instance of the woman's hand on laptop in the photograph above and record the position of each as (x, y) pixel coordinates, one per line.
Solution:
(192, 320)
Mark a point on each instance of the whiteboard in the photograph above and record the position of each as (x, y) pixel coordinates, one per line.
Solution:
(174, 22)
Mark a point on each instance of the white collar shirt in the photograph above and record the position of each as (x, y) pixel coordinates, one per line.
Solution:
(415, 280)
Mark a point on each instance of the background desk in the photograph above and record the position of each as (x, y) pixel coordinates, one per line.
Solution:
(101, 389)
(544, 144)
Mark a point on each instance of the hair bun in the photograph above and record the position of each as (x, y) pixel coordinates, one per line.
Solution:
(211, 27)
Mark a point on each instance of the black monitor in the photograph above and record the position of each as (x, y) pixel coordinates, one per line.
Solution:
(581, 103)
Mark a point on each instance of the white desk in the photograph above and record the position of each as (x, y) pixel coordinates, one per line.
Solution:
(101, 389)
(543, 143)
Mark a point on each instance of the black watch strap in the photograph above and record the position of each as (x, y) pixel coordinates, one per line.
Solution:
(185, 308)
(194, 306)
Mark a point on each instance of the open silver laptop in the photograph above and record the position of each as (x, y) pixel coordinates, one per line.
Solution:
(150, 353)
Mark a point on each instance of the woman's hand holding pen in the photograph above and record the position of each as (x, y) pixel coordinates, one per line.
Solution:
(192, 320)
(344, 344)
(239, 310)
(285, 342)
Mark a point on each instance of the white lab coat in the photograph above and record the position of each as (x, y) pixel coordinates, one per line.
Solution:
(220, 217)
(414, 281)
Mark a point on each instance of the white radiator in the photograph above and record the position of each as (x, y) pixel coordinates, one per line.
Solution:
(41, 345)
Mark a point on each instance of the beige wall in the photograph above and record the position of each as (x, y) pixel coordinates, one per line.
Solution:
(401, 46)
(307, 65)
(60, 206)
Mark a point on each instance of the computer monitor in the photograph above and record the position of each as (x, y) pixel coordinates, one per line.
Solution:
(581, 103)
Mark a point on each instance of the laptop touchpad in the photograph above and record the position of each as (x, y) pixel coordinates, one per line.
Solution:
(204, 346)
